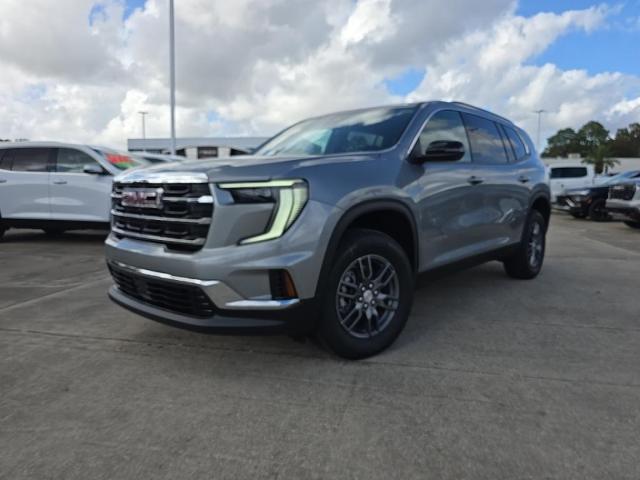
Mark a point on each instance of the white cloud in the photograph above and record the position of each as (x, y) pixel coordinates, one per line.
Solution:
(491, 68)
(261, 64)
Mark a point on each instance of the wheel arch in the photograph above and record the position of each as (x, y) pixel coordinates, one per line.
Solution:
(380, 215)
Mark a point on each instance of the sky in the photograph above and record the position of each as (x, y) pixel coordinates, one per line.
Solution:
(81, 70)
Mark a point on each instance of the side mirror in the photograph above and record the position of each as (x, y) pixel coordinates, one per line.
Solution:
(94, 169)
(443, 151)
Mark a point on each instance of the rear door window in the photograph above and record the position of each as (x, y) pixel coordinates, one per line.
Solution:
(30, 159)
(568, 172)
(486, 143)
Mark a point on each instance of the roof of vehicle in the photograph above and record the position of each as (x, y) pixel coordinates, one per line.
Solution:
(50, 145)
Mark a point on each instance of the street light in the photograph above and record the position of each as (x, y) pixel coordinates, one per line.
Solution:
(539, 112)
(144, 130)
(172, 72)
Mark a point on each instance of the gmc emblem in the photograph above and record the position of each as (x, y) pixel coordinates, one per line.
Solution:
(142, 197)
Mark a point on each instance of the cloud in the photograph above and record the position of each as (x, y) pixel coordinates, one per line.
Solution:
(80, 70)
(491, 68)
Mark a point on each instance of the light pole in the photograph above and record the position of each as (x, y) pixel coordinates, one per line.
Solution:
(144, 129)
(172, 74)
(539, 112)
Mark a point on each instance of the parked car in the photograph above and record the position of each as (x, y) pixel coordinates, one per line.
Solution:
(158, 157)
(325, 228)
(591, 201)
(568, 175)
(624, 202)
(57, 186)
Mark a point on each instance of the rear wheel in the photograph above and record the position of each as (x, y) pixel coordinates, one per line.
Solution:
(2, 230)
(598, 210)
(368, 296)
(526, 262)
(632, 224)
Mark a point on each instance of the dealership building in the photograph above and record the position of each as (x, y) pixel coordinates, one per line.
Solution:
(197, 147)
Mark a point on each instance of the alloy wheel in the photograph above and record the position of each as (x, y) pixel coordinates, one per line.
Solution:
(368, 295)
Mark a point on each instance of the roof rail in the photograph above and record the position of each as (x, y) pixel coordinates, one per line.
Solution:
(473, 107)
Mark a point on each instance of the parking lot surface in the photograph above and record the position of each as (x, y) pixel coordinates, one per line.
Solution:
(492, 378)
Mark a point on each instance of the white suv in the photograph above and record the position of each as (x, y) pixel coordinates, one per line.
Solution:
(56, 186)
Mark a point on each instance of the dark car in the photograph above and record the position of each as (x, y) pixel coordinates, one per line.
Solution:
(591, 201)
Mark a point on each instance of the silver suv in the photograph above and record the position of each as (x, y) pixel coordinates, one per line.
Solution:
(325, 228)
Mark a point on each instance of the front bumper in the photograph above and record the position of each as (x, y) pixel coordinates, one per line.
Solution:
(298, 320)
(624, 210)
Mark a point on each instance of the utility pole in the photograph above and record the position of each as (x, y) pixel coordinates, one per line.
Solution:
(539, 112)
(144, 130)
(172, 68)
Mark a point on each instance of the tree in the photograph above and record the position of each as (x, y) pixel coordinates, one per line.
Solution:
(600, 158)
(563, 143)
(627, 142)
(591, 136)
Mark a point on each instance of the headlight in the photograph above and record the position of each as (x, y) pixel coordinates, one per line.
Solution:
(290, 197)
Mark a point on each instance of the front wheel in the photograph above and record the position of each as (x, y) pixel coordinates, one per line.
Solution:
(368, 296)
(526, 262)
(632, 224)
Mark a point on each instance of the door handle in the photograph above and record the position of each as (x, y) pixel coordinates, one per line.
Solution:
(523, 179)
(473, 180)
(60, 182)
(3, 180)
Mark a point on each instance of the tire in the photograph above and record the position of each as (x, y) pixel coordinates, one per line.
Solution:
(527, 261)
(2, 231)
(53, 231)
(598, 211)
(351, 325)
(632, 224)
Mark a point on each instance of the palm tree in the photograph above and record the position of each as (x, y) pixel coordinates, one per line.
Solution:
(600, 158)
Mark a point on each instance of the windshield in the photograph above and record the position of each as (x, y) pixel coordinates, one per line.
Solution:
(621, 177)
(362, 131)
(120, 160)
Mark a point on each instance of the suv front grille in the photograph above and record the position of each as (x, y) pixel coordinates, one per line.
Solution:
(180, 219)
(185, 299)
(622, 192)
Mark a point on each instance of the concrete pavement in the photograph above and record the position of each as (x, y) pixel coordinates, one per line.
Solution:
(492, 378)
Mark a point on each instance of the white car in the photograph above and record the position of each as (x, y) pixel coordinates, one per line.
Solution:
(568, 175)
(58, 186)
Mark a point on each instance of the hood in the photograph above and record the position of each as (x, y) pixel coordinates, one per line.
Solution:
(238, 168)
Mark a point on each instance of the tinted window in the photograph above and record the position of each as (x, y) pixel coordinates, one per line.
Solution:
(29, 159)
(4, 160)
(516, 143)
(485, 139)
(72, 161)
(360, 131)
(568, 172)
(446, 125)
